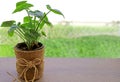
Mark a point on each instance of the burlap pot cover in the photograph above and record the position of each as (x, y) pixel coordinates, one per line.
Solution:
(24, 58)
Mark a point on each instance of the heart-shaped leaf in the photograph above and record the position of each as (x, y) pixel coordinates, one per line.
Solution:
(31, 13)
(56, 11)
(27, 19)
(11, 33)
(7, 23)
(11, 30)
(36, 13)
(39, 14)
(22, 5)
(48, 7)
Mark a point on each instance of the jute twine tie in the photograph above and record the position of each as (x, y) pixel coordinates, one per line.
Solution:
(28, 65)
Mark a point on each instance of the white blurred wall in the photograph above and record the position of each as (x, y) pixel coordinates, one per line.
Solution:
(74, 10)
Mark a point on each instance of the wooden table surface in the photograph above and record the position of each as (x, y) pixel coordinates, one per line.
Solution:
(69, 70)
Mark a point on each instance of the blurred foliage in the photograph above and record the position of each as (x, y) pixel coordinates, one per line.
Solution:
(72, 41)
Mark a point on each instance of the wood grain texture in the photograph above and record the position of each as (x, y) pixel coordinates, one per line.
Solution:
(69, 70)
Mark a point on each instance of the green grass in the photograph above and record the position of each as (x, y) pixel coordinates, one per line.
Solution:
(6, 51)
(101, 46)
(89, 46)
(71, 41)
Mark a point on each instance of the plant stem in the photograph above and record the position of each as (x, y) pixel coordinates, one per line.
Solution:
(20, 36)
(42, 20)
(29, 17)
(34, 20)
(21, 31)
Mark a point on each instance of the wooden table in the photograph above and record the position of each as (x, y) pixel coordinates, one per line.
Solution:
(69, 70)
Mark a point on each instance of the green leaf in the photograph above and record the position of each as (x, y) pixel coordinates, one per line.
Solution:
(7, 23)
(13, 27)
(43, 33)
(56, 11)
(48, 7)
(31, 13)
(45, 17)
(11, 30)
(46, 20)
(27, 19)
(26, 25)
(42, 24)
(11, 33)
(32, 35)
(36, 13)
(48, 23)
(22, 5)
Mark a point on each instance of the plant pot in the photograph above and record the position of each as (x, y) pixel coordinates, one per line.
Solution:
(29, 62)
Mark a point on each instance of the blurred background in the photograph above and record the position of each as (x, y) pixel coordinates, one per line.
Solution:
(91, 28)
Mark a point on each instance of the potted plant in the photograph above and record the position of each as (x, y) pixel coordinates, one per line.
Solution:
(30, 52)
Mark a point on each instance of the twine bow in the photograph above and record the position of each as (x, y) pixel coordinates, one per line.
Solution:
(28, 65)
